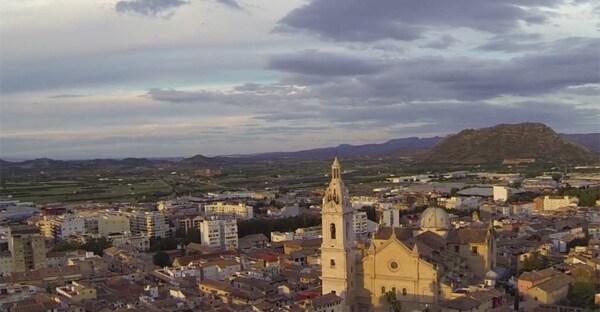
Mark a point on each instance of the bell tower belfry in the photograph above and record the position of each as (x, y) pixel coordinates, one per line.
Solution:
(338, 247)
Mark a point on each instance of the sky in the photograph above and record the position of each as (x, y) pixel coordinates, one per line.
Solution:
(168, 78)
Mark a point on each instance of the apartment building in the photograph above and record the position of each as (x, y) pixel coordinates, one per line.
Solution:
(113, 223)
(27, 248)
(154, 224)
(238, 211)
(219, 233)
(61, 227)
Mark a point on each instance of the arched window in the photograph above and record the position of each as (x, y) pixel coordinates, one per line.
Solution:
(332, 230)
(404, 292)
(394, 289)
(382, 290)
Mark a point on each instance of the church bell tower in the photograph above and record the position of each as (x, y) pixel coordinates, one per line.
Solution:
(337, 249)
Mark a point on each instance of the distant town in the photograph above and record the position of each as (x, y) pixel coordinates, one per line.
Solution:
(467, 240)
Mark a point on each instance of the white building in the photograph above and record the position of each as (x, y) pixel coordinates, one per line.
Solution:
(219, 233)
(360, 222)
(239, 211)
(391, 218)
(139, 241)
(64, 226)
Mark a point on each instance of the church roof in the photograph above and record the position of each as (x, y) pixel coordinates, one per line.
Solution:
(428, 239)
(434, 218)
(386, 232)
(466, 236)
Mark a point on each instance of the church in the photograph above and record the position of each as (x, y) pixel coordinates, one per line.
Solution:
(422, 265)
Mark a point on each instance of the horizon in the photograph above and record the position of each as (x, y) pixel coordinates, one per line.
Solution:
(165, 78)
(179, 157)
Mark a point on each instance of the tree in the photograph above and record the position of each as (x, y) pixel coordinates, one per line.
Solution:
(582, 294)
(556, 177)
(97, 245)
(535, 262)
(392, 301)
(161, 259)
(371, 215)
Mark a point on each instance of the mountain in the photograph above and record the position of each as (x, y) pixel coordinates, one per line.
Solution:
(590, 141)
(506, 141)
(405, 146)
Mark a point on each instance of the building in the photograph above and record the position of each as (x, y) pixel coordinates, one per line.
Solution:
(77, 292)
(113, 223)
(27, 248)
(501, 193)
(423, 265)
(239, 211)
(219, 233)
(555, 202)
(154, 224)
(338, 258)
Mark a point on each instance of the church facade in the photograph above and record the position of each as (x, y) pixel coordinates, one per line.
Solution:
(421, 265)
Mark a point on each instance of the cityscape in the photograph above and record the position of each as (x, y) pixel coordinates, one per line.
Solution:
(301, 155)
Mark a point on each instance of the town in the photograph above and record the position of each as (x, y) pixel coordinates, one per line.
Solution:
(449, 241)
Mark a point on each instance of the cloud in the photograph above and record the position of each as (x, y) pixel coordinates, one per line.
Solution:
(313, 62)
(441, 43)
(152, 8)
(66, 96)
(232, 4)
(407, 20)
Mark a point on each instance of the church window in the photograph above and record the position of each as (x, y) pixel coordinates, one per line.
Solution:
(404, 292)
(394, 289)
(332, 230)
(382, 290)
(474, 249)
(394, 265)
(332, 263)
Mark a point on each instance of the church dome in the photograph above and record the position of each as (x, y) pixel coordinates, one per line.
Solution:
(434, 218)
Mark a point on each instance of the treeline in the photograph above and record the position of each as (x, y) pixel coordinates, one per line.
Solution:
(587, 196)
(97, 245)
(266, 226)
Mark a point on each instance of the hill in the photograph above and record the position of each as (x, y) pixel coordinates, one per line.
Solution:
(406, 147)
(590, 141)
(506, 141)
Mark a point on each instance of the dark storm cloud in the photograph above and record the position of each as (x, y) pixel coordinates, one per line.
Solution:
(149, 7)
(313, 62)
(359, 20)
(565, 63)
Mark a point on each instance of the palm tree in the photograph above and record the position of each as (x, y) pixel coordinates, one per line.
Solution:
(392, 301)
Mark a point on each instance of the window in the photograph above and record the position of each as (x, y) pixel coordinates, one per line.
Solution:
(393, 265)
(474, 249)
(456, 248)
(332, 230)
(332, 263)
(404, 292)
(394, 289)
(382, 290)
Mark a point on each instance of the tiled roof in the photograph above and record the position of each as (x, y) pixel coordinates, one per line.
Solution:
(555, 283)
(533, 276)
(325, 300)
(467, 236)
(385, 233)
